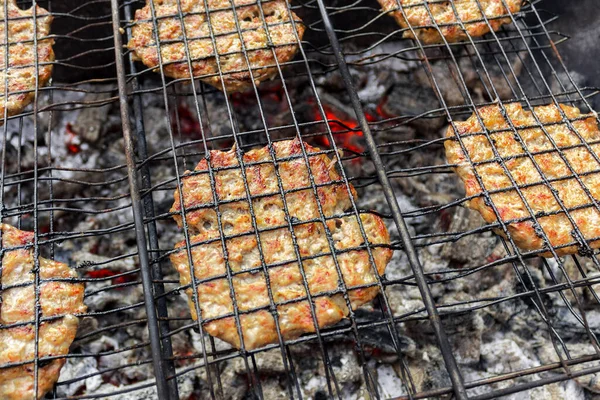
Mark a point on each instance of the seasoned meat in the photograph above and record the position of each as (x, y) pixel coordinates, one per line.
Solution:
(20, 74)
(448, 15)
(275, 240)
(539, 196)
(263, 39)
(59, 299)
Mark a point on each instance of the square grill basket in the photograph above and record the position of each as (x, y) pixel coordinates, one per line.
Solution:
(92, 165)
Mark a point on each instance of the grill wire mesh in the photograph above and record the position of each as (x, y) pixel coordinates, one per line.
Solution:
(85, 209)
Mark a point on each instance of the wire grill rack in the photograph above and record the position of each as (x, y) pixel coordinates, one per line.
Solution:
(67, 207)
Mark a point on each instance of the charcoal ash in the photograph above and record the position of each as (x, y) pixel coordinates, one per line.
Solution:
(500, 352)
(497, 337)
(274, 380)
(61, 144)
(547, 354)
(388, 381)
(380, 68)
(73, 370)
(427, 369)
(475, 336)
(144, 390)
(553, 391)
(464, 251)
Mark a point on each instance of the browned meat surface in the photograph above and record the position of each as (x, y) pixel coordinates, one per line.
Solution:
(275, 239)
(57, 298)
(267, 42)
(449, 15)
(538, 195)
(18, 76)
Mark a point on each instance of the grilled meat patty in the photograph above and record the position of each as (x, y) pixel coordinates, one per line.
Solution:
(449, 15)
(244, 251)
(267, 42)
(57, 299)
(18, 76)
(539, 196)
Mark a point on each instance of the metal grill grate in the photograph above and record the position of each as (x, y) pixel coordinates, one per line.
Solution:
(107, 211)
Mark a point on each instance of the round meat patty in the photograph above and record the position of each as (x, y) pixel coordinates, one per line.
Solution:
(538, 195)
(19, 78)
(285, 276)
(448, 18)
(263, 39)
(57, 299)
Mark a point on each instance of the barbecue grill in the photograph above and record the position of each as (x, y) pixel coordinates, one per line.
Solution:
(92, 165)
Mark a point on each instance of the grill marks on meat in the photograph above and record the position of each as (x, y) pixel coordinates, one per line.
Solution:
(18, 76)
(537, 194)
(448, 15)
(267, 41)
(286, 282)
(57, 299)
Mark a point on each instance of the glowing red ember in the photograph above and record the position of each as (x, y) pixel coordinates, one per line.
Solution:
(107, 273)
(101, 273)
(72, 140)
(346, 132)
(188, 123)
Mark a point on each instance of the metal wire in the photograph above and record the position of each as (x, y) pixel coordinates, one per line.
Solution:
(120, 204)
(35, 163)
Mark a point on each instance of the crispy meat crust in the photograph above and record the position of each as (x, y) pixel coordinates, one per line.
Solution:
(539, 196)
(236, 74)
(469, 12)
(17, 343)
(285, 277)
(21, 73)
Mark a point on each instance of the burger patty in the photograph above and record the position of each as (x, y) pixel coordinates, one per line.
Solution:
(539, 196)
(57, 299)
(263, 39)
(448, 18)
(284, 274)
(18, 76)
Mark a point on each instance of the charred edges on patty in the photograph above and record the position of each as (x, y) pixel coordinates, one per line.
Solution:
(448, 16)
(574, 139)
(278, 250)
(20, 74)
(233, 71)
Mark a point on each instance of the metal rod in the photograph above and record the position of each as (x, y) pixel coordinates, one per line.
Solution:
(148, 204)
(138, 218)
(415, 264)
(37, 308)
